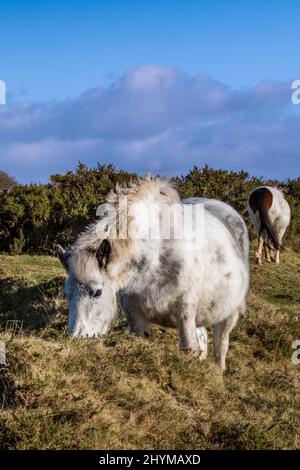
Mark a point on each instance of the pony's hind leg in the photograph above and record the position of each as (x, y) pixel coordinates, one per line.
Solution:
(188, 340)
(267, 252)
(277, 252)
(272, 255)
(221, 333)
(202, 342)
(260, 245)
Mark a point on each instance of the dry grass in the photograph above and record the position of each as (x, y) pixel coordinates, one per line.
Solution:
(125, 392)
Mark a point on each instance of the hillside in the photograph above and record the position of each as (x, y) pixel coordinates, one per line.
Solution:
(123, 392)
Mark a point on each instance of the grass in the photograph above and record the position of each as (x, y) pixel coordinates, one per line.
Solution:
(123, 392)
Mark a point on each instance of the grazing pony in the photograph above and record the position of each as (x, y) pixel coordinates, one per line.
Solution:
(270, 214)
(176, 274)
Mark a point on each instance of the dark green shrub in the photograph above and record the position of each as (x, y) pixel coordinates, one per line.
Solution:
(34, 218)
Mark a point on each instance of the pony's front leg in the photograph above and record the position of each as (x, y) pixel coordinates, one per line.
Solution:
(138, 324)
(188, 341)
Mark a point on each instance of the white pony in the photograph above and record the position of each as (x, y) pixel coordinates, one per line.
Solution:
(186, 276)
(270, 215)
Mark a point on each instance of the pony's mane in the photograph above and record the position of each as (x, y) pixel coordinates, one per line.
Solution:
(143, 189)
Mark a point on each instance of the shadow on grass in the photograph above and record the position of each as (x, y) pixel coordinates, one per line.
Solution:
(27, 307)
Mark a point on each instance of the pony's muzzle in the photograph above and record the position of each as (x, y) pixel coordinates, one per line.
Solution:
(96, 294)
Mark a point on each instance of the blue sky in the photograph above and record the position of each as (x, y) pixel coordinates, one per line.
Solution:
(64, 59)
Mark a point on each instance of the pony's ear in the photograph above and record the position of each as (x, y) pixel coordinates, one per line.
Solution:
(63, 256)
(103, 254)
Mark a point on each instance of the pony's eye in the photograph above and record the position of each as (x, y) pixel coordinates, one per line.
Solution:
(91, 292)
(97, 293)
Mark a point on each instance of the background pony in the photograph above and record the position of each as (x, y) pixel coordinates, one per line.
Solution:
(270, 215)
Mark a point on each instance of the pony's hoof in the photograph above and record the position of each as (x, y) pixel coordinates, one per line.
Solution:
(202, 342)
(189, 351)
(202, 355)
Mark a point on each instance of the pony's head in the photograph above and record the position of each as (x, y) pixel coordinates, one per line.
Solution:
(90, 292)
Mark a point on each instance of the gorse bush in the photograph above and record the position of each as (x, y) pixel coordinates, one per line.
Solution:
(34, 218)
(6, 181)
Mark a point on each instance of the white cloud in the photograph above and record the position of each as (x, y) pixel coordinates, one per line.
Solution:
(159, 118)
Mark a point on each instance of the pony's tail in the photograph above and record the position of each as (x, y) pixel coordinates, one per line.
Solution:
(265, 221)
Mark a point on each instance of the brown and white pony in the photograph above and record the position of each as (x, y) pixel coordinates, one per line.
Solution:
(270, 214)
